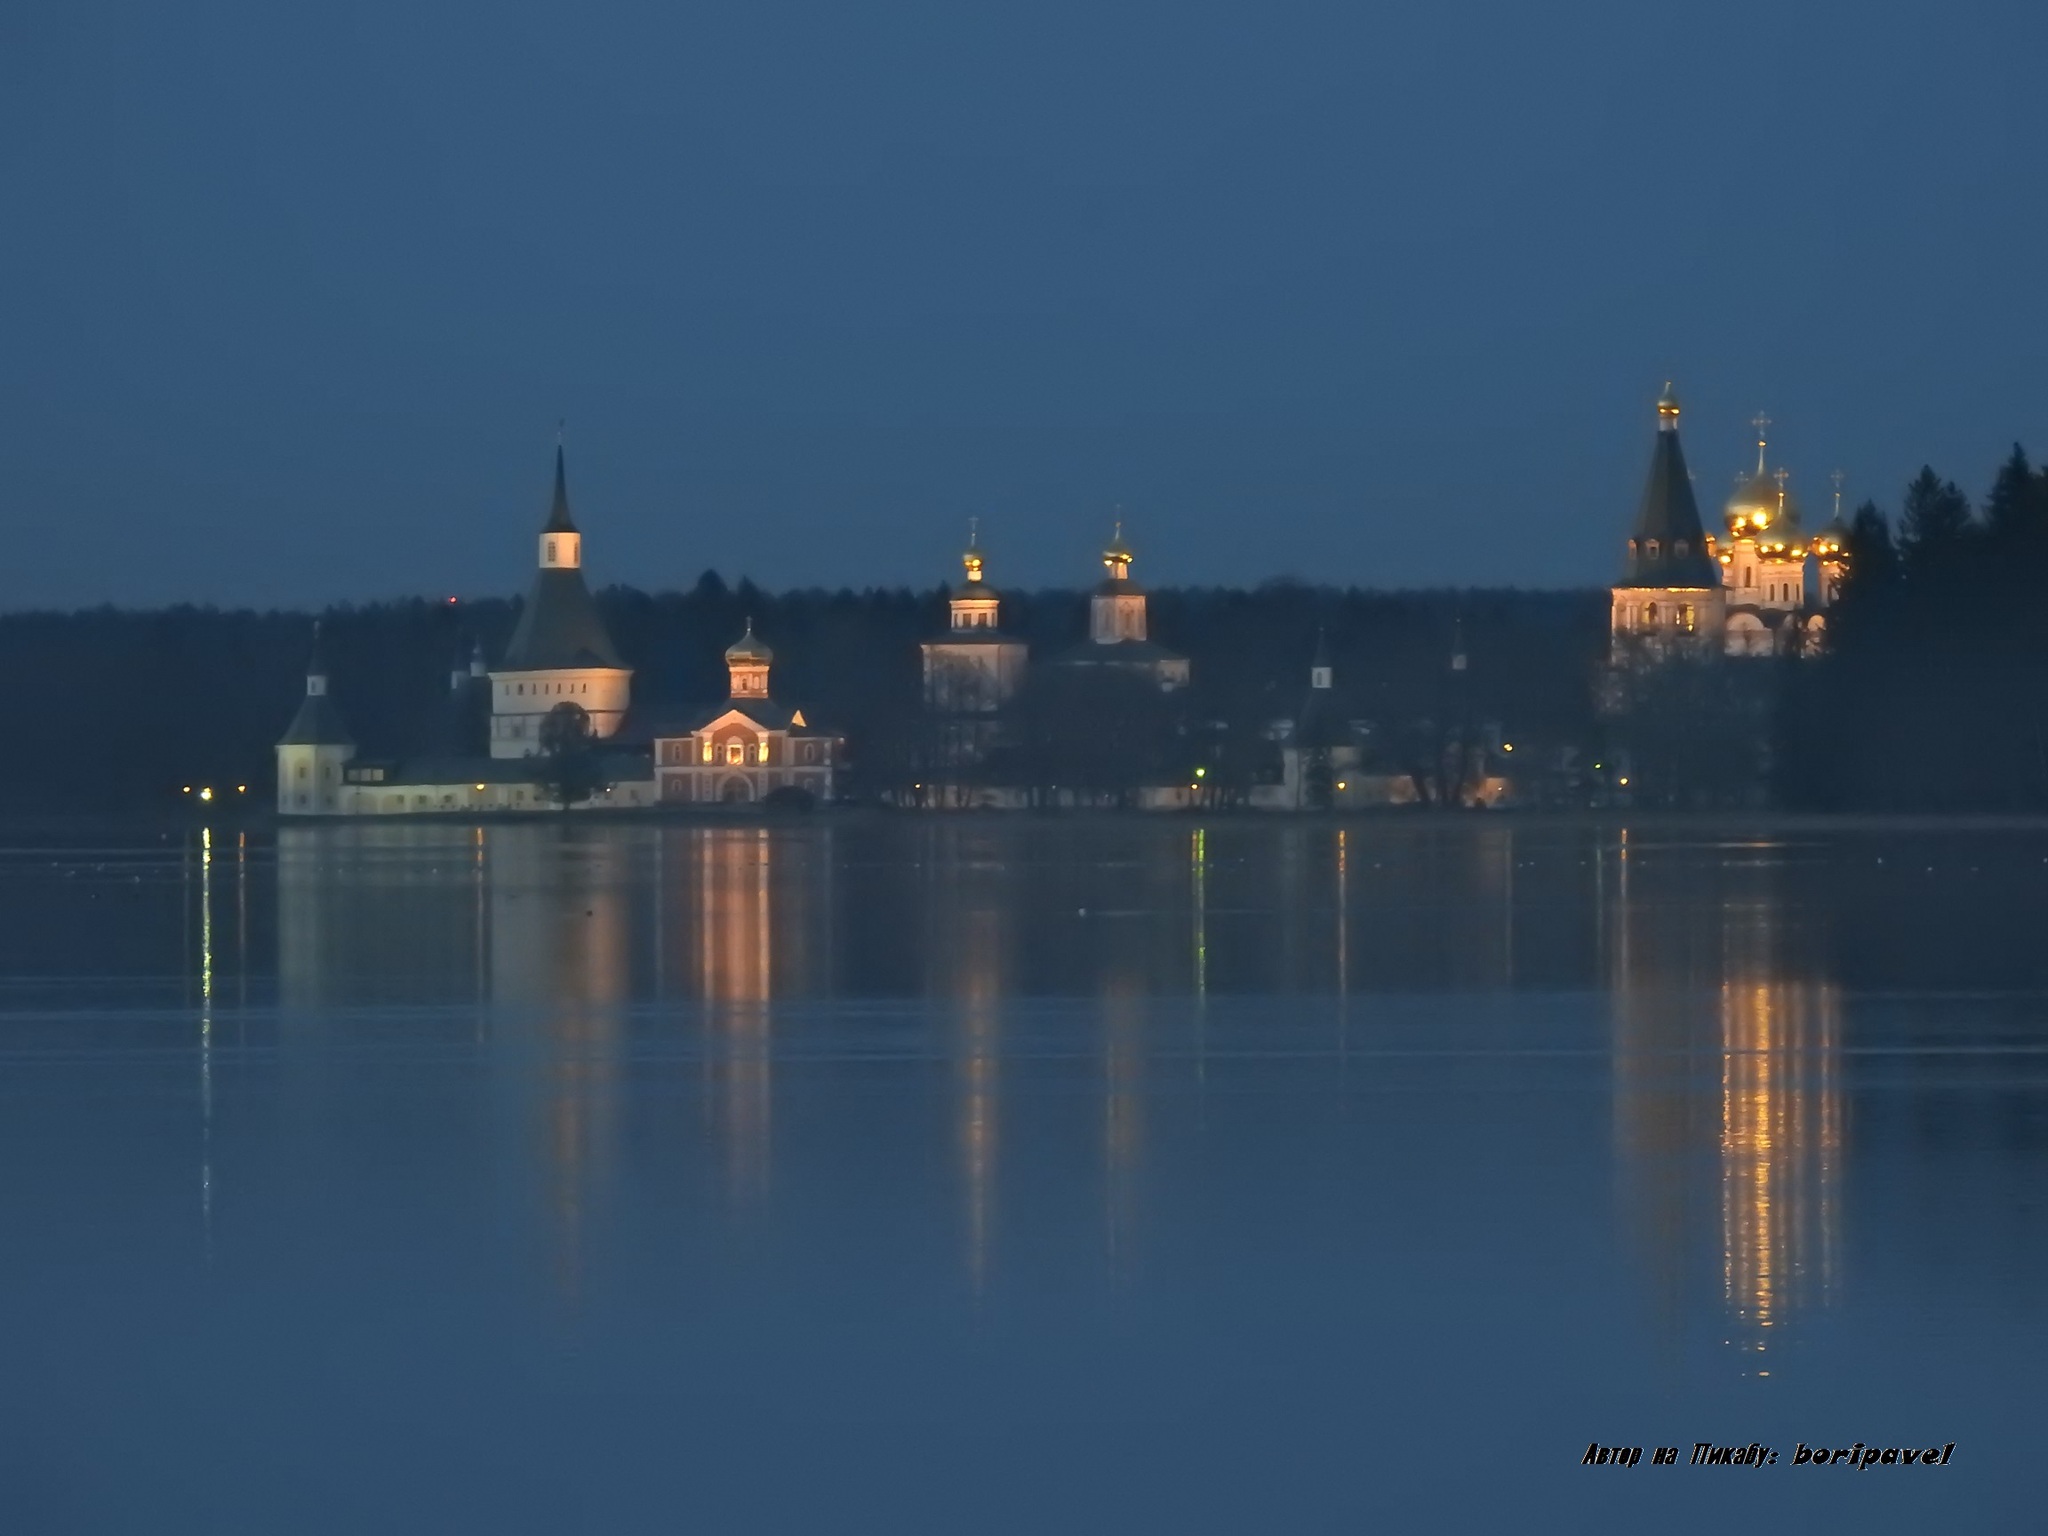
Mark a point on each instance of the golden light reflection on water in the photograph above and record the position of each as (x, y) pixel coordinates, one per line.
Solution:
(735, 966)
(1726, 1039)
(1780, 1145)
(1727, 1055)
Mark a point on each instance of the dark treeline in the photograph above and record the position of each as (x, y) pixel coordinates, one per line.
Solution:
(1934, 692)
(146, 702)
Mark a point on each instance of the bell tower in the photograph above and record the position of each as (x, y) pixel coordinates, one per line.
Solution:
(315, 748)
(1117, 611)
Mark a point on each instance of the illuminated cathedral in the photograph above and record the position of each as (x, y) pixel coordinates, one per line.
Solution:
(1747, 592)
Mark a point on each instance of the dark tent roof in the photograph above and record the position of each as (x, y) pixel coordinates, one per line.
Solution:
(1669, 547)
(560, 628)
(317, 724)
(1319, 724)
(559, 520)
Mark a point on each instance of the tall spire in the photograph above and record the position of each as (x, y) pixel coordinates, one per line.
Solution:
(1668, 548)
(559, 520)
(318, 723)
(561, 546)
(1838, 477)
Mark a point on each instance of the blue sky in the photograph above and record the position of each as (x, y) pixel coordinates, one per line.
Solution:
(1383, 295)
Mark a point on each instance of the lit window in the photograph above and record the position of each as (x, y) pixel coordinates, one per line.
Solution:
(735, 752)
(707, 749)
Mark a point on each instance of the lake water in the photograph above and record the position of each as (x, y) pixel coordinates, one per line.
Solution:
(1019, 1176)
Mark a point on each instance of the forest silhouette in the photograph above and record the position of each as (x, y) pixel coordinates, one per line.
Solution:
(1932, 694)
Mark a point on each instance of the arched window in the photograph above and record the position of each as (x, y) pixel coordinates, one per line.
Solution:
(1650, 616)
(735, 751)
(1651, 548)
(707, 749)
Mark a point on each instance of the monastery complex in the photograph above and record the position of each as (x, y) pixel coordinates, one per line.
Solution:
(554, 722)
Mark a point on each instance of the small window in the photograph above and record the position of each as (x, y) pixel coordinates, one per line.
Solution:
(1678, 548)
(735, 752)
(1651, 548)
(707, 749)
(551, 551)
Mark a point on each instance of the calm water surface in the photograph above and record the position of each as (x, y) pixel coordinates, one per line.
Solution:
(1083, 1175)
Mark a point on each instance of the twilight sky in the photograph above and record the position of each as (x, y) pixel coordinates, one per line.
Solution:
(293, 296)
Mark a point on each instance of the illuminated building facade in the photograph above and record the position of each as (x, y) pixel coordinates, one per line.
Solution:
(560, 653)
(1763, 564)
(748, 747)
(974, 668)
(1116, 627)
(1669, 601)
(1685, 592)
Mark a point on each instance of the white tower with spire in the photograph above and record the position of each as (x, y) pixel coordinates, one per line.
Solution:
(974, 668)
(313, 753)
(560, 652)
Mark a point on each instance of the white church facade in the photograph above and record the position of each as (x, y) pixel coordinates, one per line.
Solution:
(560, 688)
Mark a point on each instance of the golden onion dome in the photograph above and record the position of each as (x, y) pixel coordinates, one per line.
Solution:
(1832, 542)
(747, 648)
(1762, 503)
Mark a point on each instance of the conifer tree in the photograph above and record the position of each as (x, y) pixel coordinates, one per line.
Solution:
(1936, 530)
